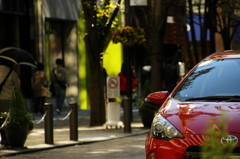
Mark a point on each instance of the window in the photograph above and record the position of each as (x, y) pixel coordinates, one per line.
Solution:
(13, 6)
(212, 78)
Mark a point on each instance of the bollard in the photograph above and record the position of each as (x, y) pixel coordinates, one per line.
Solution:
(73, 121)
(127, 115)
(48, 121)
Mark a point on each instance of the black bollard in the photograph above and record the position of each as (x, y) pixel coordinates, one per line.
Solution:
(127, 115)
(48, 121)
(73, 121)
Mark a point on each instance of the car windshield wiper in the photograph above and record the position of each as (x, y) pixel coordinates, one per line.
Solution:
(228, 98)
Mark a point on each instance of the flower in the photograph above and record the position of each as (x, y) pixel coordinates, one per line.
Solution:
(129, 35)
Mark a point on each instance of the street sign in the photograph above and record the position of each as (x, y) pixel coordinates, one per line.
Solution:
(138, 3)
(113, 87)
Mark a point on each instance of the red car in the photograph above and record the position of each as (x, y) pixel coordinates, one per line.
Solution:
(178, 130)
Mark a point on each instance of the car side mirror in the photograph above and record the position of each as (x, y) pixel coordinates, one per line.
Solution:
(157, 98)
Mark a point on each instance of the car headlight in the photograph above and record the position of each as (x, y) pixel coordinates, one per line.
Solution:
(163, 129)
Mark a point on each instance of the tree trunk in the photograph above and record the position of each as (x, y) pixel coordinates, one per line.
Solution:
(203, 33)
(158, 33)
(96, 41)
(191, 23)
(212, 23)
(98, 108)
(226, 42)
(188, 49)
(97, 93)
(156, 78)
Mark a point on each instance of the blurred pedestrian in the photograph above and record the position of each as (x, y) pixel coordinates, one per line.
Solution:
(9, 80)
(123, 80)
(40, 84)
(60, 82)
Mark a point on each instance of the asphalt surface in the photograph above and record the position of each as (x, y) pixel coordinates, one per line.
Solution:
(61, 133)
(131, 147)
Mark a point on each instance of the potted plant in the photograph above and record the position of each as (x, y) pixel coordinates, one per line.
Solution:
(147, 113)
(145, 110)
(20, 122)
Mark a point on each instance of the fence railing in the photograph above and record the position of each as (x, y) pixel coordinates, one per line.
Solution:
(47, 118)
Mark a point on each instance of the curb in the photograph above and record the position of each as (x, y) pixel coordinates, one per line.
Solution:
(18, 151)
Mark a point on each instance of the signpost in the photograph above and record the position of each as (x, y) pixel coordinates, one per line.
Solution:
(113, 87)
(113, 108)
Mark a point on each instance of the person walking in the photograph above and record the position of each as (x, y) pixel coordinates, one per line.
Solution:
(40, 87)
(60, 82)
(8, 83)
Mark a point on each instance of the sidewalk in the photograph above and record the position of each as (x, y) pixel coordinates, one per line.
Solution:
(36, 139)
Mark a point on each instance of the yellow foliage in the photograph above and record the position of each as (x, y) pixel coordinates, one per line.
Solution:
(129, 35)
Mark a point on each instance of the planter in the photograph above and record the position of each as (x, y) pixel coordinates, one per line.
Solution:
(147, 118)
(20, 121)
(17, 137)
(147, 113)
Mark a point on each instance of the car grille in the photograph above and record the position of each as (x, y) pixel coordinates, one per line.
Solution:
(193, 155)
(194, 152)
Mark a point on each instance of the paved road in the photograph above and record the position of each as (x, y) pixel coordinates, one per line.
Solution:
(127, 148)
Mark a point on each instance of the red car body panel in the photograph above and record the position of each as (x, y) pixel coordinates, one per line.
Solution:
(164, 149)
(157, 98)
(187, 116)
(192, 119)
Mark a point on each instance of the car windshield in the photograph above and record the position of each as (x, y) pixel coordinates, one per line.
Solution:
(211, 79)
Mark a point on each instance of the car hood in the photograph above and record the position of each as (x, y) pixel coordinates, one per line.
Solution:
(195, 117)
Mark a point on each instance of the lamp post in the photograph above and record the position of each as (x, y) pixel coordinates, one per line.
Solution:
(127, 103)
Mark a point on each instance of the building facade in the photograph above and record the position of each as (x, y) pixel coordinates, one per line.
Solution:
(48, 29)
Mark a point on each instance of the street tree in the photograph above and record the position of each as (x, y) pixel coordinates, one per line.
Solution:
(213, 17)
(156, 18)
(227, 20)
(99, 16)
(159, 18)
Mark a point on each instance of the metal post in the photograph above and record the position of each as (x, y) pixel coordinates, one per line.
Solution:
(127, 115)
(73, 121)
(128, 64)
(48, 121)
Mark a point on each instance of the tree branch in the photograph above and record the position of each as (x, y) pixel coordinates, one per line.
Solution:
(109, 24)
